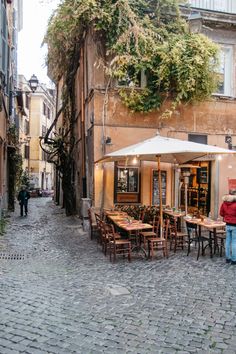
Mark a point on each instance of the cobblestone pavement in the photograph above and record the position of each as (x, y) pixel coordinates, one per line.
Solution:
(60, 297)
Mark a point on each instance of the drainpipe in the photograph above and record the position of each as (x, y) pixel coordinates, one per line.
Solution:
(104, 115)
(216, 189)
(85, 202)
(83, 142)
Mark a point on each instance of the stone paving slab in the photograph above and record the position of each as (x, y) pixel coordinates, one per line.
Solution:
(66, 297)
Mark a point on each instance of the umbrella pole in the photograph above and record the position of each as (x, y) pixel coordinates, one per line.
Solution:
(186, 196)
(160, 192)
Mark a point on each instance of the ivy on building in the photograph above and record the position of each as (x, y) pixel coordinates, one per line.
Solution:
(148, 36)
(140, 37)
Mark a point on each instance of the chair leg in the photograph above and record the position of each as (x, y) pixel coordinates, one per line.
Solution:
(189, 244)
(105, 248)
(221, 247)
(152, 251)
(199, 248)
(175, 247)
(129, 254)
(144, 242)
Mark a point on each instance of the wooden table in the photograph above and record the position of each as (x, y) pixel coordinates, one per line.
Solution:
(174, 214)
(178, 216)
(208, 224)
(133, 225)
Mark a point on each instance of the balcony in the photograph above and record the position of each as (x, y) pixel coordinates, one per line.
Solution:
(226, 6)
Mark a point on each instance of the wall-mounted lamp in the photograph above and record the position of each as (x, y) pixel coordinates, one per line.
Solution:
(195, 22)
(135, 160)
(108, 140)
(228, 140)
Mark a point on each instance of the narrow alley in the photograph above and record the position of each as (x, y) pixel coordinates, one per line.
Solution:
(64, 296)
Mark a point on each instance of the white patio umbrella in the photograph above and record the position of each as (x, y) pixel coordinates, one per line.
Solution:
(160, 148)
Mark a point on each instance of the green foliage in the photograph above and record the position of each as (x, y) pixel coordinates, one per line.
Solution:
(145, 35)
(3, 223)
(24, 179)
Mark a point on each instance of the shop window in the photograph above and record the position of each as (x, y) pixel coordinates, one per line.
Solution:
(155, 188)
(127, 180)
(127, 184)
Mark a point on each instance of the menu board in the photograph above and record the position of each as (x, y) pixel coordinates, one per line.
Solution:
(155, 187)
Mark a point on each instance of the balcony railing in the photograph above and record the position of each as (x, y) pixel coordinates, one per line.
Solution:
(228, 6)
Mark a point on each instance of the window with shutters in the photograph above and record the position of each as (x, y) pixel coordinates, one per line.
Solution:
(214, 5)
(27, 151)
(4, 51)
(26, 127)
(44, 109)
(44, 130)
(225, 71)
(27, 101)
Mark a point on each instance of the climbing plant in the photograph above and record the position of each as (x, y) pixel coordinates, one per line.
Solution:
(139, 37)
(146, 36)
(14, 165)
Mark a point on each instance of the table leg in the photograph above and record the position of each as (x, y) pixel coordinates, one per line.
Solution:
(137, 247)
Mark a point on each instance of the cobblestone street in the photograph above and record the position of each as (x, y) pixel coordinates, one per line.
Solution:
(58, 298)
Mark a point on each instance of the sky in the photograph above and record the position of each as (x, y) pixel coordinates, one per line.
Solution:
(31, 56)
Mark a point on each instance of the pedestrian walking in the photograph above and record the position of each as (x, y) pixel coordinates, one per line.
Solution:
(23, 198)
(228, 212)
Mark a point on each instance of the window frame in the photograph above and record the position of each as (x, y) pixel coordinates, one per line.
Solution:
(228, 72)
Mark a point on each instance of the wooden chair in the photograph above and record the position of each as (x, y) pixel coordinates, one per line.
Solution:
(146, 235)
(99, 230)
(219, 242)
(106, 230)
(117, 246)
(177, 237)
(142, 215)
(159, 243)
(92, 223)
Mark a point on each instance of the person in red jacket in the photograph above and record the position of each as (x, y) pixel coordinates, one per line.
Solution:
(228, 212)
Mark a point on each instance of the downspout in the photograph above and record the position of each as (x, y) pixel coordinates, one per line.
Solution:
(83, 142)
(104, 115)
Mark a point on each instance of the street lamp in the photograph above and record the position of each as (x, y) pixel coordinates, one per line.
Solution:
(33, 83)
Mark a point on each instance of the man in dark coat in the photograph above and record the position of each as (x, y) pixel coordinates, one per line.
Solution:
(23, 198)
(228, 211)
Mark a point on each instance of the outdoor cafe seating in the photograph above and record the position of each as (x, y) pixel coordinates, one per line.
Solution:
(120, 234)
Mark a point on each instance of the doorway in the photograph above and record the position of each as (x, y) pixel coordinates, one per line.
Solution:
(199, 187)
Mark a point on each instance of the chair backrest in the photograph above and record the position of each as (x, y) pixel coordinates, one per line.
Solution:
(166, 225)
(142, 215)
(173, 227)
(191, 227)
(110, 232)
(156, 225)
